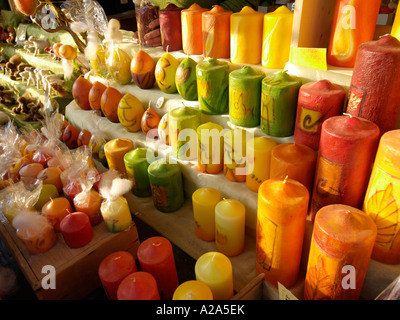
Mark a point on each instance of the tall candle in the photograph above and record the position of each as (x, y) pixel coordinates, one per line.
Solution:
(89, 202)
(258, 159)
(76, 229)
(138, 285)
(353, 24)
(235, 141)
(210, 148)
(156, 257)
(55, 210)
(193, 290)
(281, 219)
(347, 150)
(382, 198)
(317, 102)
(277, 37)
(115, 150)
(396, 26)
(215, 270)
(171, 27)
(216, 25)
(192, 32)
(246, 36)
(279, 98)
(341, 245)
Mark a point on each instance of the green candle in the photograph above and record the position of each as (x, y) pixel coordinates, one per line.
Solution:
(279, 104)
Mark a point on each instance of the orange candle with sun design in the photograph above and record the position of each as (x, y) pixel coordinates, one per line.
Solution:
(192, 32)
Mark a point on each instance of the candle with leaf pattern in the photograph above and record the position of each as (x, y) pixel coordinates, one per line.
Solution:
(235, 141)
(210, 148)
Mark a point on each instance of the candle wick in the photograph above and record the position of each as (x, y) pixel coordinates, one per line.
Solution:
(348, 114)
(284, 180)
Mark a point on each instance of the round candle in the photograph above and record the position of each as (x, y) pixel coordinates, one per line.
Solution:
(215, 270)
(258, 159)
(216, 25)
(113, 269)
(210, 148)
(89, 202)
(235, 155)
(116, 214)
(171, 27)
(115, 150)
(204, 201)
(193, 290)
(317, 102)
(279, 98)
(156, 257)
(281, 218)
(76, 229)
(245, 96)
(138, 285)
(347, 150)
(192, 32)
(230, 216)
(166, 185)
(343, 236)
(396, 26)
(55, 210)
(382, 198)
(246, 36)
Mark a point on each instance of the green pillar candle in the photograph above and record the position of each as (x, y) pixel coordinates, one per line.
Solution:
(279, 96)
(245, 96)
(213, 86)
(166, 185)
(137, 162)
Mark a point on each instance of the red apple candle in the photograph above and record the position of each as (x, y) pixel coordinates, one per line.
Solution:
(76, 229)
(171, 27)
(138, 286)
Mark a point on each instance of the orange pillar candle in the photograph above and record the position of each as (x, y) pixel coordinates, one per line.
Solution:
(89, 202)
(55, 210)
(281, 219)
(138, 285)
(76, 229)
(235, 155)
(115, 150)
(192, 33)
(341, 247)
(193, 290)
(210, 148)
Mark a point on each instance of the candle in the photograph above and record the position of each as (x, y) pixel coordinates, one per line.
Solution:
(277, 37)
(204, 201)
(230, 216)
(51, 175)
(116, 214)
(193, 290)
(55, 210)
(279, 98)
(347, 150)
(374, 90)
(138, 285)
(145, 13)
(353, 24)
(89, 202)
(192, 37)
(213, 86)
(171, 27)
(235, 141)
(258, 159)
(396, 26)
(296, 161)
(166, 185)
(76, 229)
(115, 150)
(215, 270)
(341, 245)
(317, 102)
(186, 80)
(156, 257)
(245, 96)
(210, 148)
(216, 25)
(246, 36)
(113, 269)
(382, 198)
(281, 218)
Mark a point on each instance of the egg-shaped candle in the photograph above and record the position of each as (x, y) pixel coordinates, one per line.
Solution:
(192, 32)
(171, 27)
(210, 148)
(115, 150)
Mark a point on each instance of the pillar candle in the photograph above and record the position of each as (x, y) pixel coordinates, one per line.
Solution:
(341, 246)
(216, 25)
(346, 154)
(215, 270)
(115, 150)
(116, 214)
(382, 198)
(374, 90)
(193, 290)
(145, 13)
(235, 141)
(210, 148)
(192, 32)
(317, 102)
(396, 26)
(138, 285)
(204, 201)
(277, 38)
(281, 218)
(353, 24)
(89, 202)
(279, 96)
(230, 216)
(171, 27)
(166, 185)
(245, 96)
(55, 210)
(113, 269)
(156, 257)
(76, 229)
(246, 36)
(213, 86)
(295, 161)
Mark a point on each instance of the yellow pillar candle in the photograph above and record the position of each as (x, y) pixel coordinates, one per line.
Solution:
(258, 159)
(193, 290)
(204, 201)
(246, 36)
(235, 155)
(210, 148)
(396, 26)
(114, 151)
(215, 270)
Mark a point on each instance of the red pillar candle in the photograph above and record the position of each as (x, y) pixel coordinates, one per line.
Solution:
(317, 102)
(192, 32)
(138, 286)
(113, 269)
(156, 257)
(374, 91)
(347, 150)
(171, 28)
(76, 229)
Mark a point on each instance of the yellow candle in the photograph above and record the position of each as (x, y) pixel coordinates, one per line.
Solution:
(116, 214)
(258, 159)
(193, 290)
(246, 36)
(115, 150)
(215, 270)
(396, 26)
(235, 155)
(210, 148)
(204, 201)
(230, 216)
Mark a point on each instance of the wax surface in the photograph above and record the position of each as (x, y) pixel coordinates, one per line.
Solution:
(116, 214)
(193, 290)
(396, 26)
(138, 285)
(76, 229)
(192, 33)
(235, 155)
(171, 27)
(115, 150)
(210, 148)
